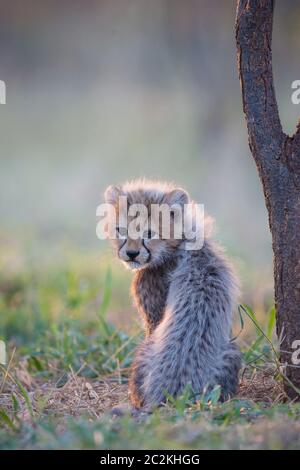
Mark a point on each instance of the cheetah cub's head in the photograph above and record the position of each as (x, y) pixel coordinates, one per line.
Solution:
(144, 227)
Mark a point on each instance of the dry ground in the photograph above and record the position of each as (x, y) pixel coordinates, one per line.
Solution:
(94, 397)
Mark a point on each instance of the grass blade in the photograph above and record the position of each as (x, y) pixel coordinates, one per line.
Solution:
(271, 322)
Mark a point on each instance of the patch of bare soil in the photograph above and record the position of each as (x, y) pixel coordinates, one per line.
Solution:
(262, 386)
(76, 397)
(80, 396)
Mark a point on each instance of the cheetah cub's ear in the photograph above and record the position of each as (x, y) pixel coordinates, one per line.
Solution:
(177, 196)
(112, 194)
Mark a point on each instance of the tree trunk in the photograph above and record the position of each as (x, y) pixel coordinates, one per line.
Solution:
(277, 157)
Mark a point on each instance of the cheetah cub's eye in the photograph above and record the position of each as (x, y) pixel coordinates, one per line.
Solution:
(121, 232)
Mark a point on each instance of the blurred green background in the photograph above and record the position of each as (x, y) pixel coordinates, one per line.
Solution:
(99, 92)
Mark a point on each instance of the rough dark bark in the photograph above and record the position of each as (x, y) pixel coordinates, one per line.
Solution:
(277, 157)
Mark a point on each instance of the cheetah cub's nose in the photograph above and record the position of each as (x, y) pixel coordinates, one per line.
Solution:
(132, 254)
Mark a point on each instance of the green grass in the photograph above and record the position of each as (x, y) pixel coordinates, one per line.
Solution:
(70, 316)
(238, 424)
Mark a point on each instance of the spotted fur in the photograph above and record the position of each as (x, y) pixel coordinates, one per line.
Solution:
(186, 299)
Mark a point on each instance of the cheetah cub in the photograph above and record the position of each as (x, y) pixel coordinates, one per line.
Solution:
(185, 296)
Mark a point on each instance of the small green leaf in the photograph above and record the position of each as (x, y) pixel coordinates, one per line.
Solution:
(6, 419)
(26, 397)
(16, 405)
(214, 396)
